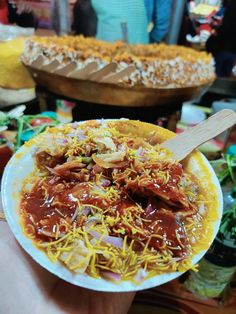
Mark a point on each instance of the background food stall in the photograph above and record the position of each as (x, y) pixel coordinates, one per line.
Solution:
(96, 99)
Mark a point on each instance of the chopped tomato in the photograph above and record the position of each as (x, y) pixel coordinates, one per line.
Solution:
(40, 121)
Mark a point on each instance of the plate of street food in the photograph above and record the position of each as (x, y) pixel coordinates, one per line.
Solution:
(102, 205)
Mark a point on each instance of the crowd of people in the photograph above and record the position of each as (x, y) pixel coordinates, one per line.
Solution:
(146, 21)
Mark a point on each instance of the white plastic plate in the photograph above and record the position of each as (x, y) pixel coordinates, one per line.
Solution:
(20, 166)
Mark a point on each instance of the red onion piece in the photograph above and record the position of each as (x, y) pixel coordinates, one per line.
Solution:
(93, 219)
(97, 169)
(86, 210)
(52, 181)
(81, 137)
(105, 182)
(114, 241)
(140, 152)
(74, 125)
(90, 166)
(61, 141)
(110, 275)
(140, 275)
(178, 259)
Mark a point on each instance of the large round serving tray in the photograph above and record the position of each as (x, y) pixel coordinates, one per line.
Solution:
(113, 94)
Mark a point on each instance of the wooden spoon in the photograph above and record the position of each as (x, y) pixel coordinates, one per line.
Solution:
(184, 143)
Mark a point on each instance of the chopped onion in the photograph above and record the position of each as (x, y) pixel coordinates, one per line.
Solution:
(61, 141)
(97, 169)
(202, 209)
(105, 182)
(122, 148)
(81, 137)
(177, 259)
(71, 135)
(52, 181)
(75, 214)
(114, 241)
(140, 275)
(90, 166)
(103, 122)
(91, 220)
(140, 152)
(74, 125)
(86, 210)
(110, 275)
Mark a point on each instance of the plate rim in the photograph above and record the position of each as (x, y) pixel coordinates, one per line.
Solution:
(124, 286)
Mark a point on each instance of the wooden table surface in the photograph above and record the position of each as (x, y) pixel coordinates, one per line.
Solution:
(174, 298)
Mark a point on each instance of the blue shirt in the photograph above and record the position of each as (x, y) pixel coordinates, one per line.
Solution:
(111, 13)
(158, 12)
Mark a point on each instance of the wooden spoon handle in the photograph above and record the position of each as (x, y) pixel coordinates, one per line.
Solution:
(184, 143)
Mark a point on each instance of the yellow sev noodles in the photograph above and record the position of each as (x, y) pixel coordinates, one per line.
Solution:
(73, 241)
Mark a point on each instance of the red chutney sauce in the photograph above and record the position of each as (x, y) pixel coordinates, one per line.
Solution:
(170, 190)
(168, 227)
(52, 204)
(47, 205)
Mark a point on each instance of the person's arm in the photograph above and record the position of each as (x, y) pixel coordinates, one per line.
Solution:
(162, 16)
(26, 287)
(149, 4)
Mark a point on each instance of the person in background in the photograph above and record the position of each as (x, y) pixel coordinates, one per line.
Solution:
(159, 16)
(222, 44)
(84, 19)
(112, 14)
(3, 12)
(19, 13)
(60, 15)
